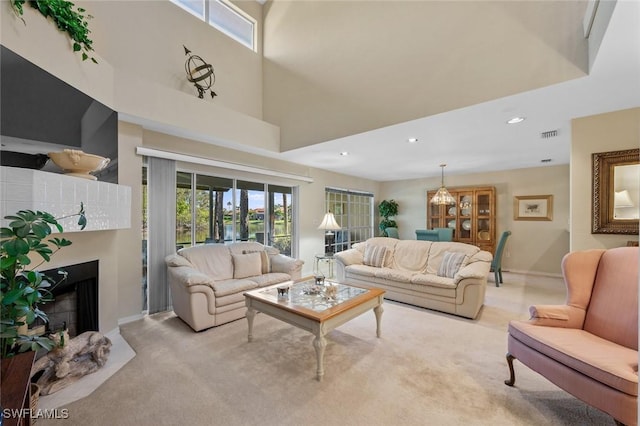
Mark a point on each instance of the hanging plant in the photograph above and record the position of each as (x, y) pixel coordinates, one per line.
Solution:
(67, 18)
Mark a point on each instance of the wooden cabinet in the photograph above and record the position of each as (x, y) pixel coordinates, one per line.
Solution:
(472, 217)
(16, 394)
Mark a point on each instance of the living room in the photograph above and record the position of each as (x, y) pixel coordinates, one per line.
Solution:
(144, 81)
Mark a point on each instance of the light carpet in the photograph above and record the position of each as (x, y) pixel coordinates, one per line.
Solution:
(428, 368)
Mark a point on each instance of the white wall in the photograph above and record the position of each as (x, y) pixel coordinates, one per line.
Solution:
(534, 246)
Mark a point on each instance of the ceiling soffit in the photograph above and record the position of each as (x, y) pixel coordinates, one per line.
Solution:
(337, 68)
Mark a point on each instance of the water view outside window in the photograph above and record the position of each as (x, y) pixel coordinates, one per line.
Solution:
(280, 218)
(223, 210)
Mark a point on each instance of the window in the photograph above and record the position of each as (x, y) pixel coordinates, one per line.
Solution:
(353, 211)
(223, 210)
(224, 16)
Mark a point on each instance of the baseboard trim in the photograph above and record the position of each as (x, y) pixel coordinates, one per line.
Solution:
(535, 273)
(129, 319)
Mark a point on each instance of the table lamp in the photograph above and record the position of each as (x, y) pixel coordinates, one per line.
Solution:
(329, 224)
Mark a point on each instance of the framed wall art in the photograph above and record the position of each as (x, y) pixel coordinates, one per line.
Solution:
(533, 207)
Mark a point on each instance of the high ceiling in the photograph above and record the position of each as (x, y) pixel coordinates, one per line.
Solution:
(365, 76)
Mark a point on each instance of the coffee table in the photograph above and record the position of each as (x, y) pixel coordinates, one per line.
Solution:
(305, 306)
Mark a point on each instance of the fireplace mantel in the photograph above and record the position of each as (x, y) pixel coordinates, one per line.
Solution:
(107, 205)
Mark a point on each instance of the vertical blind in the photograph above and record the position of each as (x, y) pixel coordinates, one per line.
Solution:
(161, 229)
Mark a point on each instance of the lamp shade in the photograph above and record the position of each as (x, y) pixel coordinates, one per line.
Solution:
(443, 196)
(329, 223)
(622, 199)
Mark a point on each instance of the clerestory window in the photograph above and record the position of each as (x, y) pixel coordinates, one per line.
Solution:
(225, 17)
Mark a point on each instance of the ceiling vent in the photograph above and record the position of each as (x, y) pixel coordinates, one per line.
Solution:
(549, 134)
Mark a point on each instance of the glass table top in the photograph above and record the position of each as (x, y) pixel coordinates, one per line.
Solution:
(317, 298)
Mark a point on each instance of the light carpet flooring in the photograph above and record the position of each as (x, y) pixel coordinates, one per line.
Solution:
(428, 368)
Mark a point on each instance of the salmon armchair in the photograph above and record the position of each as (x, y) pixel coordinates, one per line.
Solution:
(588, 346)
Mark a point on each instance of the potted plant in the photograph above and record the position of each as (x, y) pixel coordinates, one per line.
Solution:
(387, 209)
(23, 288)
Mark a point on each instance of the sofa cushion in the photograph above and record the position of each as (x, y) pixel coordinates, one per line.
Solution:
(374, 256)
(433, 281)
(210, 259)
(227, 287)
(363, 270)
(411, 255)
(439, 248)
(451, 262)
(246, 265)
(270, 278)
(604, 361)
(394, 275)
(265, 259)
(240, 246)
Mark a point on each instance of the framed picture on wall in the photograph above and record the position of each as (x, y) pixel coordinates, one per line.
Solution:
(533, 207)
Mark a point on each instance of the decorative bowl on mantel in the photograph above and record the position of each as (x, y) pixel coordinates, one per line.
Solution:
(78, 163)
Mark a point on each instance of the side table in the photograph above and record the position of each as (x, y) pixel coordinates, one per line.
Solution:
(324, 257)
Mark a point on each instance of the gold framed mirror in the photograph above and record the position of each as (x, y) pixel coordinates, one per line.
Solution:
(616, 192)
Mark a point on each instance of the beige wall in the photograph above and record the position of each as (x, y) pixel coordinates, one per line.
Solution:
(534, 246)
(145, 38)
(598, 133)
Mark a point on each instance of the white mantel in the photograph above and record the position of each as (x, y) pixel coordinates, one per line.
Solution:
(107, 205)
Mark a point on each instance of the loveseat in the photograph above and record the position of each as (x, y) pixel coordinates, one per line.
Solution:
(208, 281)
(589, 345)
(445, 276)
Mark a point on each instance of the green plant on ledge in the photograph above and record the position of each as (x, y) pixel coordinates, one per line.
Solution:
(62, 12)
(23, 288)
(387, 209)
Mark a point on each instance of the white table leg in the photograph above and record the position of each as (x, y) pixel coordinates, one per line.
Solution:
(319, 343)
(251, 314)
(378, 311)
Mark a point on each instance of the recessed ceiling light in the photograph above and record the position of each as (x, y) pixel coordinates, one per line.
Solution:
(344, 153)
(412, 140)
(515, 120)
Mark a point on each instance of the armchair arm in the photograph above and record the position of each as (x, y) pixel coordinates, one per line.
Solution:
(477, 269)
(563, 316)
(350, 257)
(188, 276)
(286, 264)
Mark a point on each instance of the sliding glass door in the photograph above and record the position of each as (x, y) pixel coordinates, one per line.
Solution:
(223, 210)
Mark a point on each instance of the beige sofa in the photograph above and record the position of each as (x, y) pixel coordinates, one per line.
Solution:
(208, 281)
(445, 276)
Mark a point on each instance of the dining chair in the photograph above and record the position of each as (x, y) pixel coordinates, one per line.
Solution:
(445, 234)
(496, 263)
(427, 235)
(392, 233)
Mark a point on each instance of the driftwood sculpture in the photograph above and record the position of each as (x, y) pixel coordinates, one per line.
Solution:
(60, 367)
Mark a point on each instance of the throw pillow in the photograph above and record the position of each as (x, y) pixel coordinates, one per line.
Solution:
(246, 265)
(264, 257)
(450, 264)
(374, 256)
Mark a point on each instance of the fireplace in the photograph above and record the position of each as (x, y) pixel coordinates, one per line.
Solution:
(75, 304)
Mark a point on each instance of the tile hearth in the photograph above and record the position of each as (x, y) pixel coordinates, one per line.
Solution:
(121, 353)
